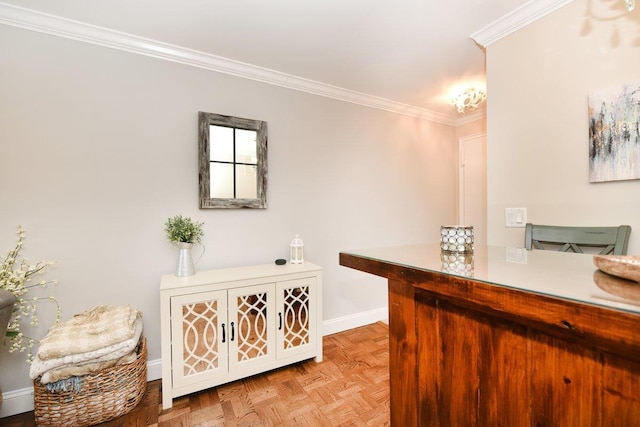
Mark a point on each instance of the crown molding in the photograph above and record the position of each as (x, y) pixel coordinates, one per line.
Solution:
(517, 19)
(479, 114)
(62, 27)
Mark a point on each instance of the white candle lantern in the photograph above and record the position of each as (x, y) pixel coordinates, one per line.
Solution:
(296, 249)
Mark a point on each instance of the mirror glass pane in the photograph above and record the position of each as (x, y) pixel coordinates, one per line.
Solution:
(221, 175)
(200, 341)
(221, 141)
(296, 317)
(252, 326)
(246, 148)
(246, 182)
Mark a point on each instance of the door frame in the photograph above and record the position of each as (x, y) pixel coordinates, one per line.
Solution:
(460, 198)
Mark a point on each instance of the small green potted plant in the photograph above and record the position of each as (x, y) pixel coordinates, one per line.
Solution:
(184, 232)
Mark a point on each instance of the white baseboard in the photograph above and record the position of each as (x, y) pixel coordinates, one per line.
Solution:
(16, 402)
(154, 369)
(19, 401)
(339, 324)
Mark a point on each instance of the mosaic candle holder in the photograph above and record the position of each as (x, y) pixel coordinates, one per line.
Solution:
(456, 238)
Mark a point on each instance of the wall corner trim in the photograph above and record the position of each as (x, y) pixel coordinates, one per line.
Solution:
(62, 27)
(517, 19)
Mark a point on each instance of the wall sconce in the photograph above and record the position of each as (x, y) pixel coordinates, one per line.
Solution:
(468, 99)
(296, 249)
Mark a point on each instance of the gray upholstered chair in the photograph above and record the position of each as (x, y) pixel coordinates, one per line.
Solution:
(611, 240)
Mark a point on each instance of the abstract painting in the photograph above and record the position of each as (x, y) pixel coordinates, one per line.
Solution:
(614, 133)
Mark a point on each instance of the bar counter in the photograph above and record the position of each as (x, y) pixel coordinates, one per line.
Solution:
(507, 337)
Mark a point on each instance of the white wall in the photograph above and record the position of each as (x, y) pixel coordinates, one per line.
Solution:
(539, 79)
(99, 148)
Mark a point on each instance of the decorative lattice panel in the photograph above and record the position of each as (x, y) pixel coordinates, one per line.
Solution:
(296, 317)
(252, 326)
(200, 340)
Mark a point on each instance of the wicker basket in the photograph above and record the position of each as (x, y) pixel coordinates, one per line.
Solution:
(101, 396)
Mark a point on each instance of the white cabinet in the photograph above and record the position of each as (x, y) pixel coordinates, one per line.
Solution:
(221, 325)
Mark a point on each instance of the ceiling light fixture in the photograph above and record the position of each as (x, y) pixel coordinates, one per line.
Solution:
(631, 4)
(468, 99)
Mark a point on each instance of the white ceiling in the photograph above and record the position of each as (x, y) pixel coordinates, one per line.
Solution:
(410, 52)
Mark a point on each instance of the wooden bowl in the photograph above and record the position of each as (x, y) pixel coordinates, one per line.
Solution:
(625, 266)
(627, 289)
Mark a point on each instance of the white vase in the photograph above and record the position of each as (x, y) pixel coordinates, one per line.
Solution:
(185, 261)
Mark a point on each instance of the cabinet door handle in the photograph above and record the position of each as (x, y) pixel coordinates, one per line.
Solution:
(280, 321)
(224, 335)
(232, 331)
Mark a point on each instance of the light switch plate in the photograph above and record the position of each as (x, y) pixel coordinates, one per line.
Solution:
(515, 217)
(516, 255)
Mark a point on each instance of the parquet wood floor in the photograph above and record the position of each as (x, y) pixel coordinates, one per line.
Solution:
(350, 387)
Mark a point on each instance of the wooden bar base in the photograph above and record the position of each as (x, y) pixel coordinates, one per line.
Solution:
(469, 353)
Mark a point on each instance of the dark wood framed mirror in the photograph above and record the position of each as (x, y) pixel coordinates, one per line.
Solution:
(232, 156)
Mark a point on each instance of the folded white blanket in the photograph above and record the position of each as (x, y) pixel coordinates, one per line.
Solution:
(81, 369)
(91, 330)
(114, 351)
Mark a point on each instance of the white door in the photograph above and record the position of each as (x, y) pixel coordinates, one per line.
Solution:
(472, 198)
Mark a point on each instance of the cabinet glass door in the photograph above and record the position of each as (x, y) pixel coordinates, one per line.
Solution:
(296, 317)
(252, 341)
(199, 348)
